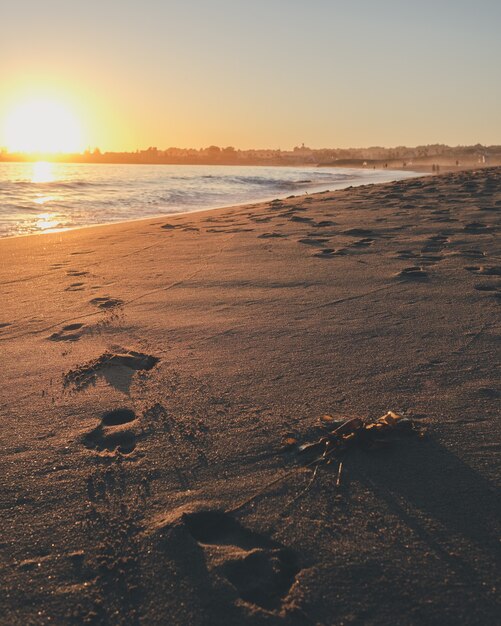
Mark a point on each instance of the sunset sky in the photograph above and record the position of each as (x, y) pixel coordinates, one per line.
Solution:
(266, 73)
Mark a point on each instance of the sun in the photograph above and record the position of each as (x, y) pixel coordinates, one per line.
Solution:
(42, 126)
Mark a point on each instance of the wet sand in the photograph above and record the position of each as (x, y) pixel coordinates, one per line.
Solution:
(151, 369)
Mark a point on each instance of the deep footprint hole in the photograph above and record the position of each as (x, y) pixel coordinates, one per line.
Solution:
(72, 327)
(117, 417)
(123, 442)
(217, 527)
(263, 578)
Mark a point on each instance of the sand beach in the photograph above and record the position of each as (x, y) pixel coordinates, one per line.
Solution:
(152, 369)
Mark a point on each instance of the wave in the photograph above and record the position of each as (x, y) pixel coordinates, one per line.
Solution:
(52, 184)
(84, 195)
(224, 182)
(263, 181)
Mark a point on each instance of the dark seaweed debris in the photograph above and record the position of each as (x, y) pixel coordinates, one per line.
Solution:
(341, 436)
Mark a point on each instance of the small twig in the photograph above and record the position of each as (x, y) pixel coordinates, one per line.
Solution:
(275, 481)
(338, 479)
(303, 491)
(262, 490)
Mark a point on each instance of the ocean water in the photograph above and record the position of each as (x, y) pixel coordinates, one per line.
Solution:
(47, 197)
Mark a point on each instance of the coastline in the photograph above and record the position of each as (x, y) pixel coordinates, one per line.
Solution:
(306, 189)
(152, 368)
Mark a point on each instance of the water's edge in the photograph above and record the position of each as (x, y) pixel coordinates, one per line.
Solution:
(112, 195)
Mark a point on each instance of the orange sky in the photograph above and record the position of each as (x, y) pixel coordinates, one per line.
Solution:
(261, 74)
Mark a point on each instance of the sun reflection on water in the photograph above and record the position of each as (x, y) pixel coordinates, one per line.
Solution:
(43, 199)
(43, 172)
(47, 221)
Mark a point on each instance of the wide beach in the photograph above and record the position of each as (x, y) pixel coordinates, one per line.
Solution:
(151, 369)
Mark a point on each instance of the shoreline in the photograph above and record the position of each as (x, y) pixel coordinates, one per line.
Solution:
(153, 368)
(312, 191)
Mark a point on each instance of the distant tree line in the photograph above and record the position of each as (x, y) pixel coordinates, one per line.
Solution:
(300, 155)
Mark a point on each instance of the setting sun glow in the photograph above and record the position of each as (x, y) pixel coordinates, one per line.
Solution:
(42, 126)
(42, 172)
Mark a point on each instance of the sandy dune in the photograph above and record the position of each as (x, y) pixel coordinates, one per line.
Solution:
(151, 369)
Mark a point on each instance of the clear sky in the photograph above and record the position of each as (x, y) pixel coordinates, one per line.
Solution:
(259, 73)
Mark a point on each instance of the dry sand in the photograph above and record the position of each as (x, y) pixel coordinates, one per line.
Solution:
(150, 370)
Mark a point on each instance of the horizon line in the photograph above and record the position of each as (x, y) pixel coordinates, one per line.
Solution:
(95, 151)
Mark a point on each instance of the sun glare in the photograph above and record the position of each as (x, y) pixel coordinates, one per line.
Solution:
(42, 172)
(42, 126)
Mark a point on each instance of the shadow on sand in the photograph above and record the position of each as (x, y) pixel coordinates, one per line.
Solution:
(438, 496)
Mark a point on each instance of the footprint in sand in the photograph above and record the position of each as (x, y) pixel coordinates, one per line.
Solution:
(366, 242)
(71, 332)
(406, 254)
(323, 224)
(309, 241)
(435, 243)
(471, 254)
(292, 212)
(489, 208)
(431, 251)
(75, 287)
(117, 433)
(358, 232)
(414, 272)
(477, 228)
(486, 270)
(260, 570)
(430, 259)
(492, 288)
(106, 302)
(271, 235)
(443, 215)
(76, 273)
(488, 287)
(116, 368)
(260, 220)
(330, 253)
